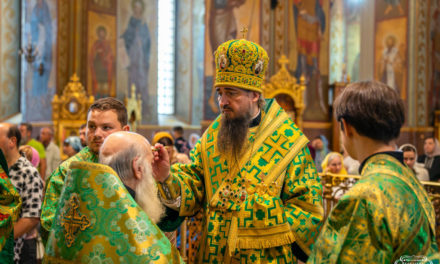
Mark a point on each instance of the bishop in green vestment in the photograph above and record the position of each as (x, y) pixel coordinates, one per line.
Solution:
(262, 202)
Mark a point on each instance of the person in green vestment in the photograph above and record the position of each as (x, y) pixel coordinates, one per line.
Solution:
(105, 116)
(10, 206)
(387, 216)
(98, 221)
(251, 172)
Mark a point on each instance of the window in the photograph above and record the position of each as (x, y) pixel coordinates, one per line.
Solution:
(166, 48)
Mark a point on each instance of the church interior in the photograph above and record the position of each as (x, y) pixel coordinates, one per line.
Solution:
(58, 56)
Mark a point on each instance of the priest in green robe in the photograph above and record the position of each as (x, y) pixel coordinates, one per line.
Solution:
(10, 206)
(387, 216)
(251, 172)
(98, 221)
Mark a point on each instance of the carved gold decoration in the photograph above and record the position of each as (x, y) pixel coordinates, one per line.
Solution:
(134, 108)
(69, 111)
(72, 221)
(285, 87)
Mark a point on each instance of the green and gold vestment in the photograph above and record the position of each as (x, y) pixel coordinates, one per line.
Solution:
(54, 186)
(383, 217)
(10, 206)
(98, 221)
(254, 212)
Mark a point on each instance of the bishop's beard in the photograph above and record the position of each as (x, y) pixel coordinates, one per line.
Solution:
(147, 195)
(233, 135)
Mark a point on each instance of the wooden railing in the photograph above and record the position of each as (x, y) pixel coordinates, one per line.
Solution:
(335, 185)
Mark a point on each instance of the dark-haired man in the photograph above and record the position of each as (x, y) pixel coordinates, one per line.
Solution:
(105, 116)
(29, 185)
(180, 142)
(431, 158)
(251, 172)
(387, 215)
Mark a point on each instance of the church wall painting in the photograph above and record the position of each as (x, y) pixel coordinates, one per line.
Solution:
(38, 79)
(9, 60)
(391, 51)
(434, 57)
(101, 48)
(224, 20)
(352, 12)
(308, 52)
(137, 53)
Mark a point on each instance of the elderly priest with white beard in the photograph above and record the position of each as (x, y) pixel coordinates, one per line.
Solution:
(103, 217)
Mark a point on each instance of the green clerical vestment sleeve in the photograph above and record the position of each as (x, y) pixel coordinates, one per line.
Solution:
(384, 217)
(254, 209)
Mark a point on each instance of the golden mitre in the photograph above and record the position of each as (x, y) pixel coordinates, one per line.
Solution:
(240, 63)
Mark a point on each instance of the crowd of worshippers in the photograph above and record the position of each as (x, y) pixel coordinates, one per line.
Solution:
(426, 166)
(252, 175)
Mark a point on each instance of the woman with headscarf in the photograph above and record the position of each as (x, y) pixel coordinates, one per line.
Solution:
(320, 144)
(431, 158)
(167, 141)
(71, 146)
(410, 159)
(334, 163)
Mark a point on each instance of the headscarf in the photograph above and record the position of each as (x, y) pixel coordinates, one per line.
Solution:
(74, 142)
(159, 135)
(411, 146)
(30, 154)
(436, 149)
(330, 157)
(320, 154)
(193, 138)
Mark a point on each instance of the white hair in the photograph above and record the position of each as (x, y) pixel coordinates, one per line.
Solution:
(146, 190)
(147, 194)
